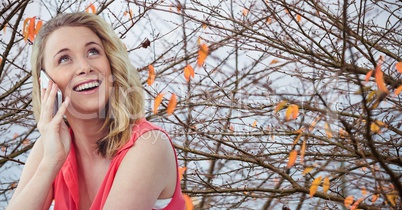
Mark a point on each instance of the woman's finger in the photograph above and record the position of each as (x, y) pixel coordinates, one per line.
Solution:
(62, 110)
(49, 103)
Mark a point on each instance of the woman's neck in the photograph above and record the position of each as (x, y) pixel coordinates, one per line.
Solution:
(87, 132)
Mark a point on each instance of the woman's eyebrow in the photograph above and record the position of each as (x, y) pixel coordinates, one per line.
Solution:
(66, 49)
(60, 51)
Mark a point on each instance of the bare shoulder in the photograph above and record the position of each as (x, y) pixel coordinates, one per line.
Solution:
(146, 173)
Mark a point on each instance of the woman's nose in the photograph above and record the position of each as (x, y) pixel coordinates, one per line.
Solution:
(83, 66)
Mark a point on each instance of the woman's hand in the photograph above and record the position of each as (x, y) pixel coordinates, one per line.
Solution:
(54, 131)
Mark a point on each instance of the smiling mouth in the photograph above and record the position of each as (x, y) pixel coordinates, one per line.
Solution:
(87, 86)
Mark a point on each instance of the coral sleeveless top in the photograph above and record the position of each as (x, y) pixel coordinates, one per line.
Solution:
(65, 185)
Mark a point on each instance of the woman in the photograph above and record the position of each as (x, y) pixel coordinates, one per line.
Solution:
(97, 151)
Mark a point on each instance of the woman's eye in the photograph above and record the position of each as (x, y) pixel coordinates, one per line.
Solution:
(93, 51)
(64, 59)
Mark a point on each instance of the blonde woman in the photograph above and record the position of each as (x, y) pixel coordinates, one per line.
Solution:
(97, 151)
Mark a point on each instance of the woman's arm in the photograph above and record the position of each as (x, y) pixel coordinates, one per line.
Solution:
(147, 172)
(35, 186)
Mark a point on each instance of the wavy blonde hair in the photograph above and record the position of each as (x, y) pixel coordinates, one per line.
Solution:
(126, 103)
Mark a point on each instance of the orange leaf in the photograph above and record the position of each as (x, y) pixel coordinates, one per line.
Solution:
(379, 76)
(254, 123)
(188, 72)
(280, 106)
(398, 66)
(374, 198)
(26, 142)
(296, 139)
(328, 130)
(292, 112)
(269, 21)
(314, 186)
(31, 29)
(375, 128)
(326, 184)
(157, 102)
(307, 170)
(38, 26)
(3, 148)
(368, 75)
(172, 104)
(151, 75)
(398, 90)
(188, 201)
(292, 158)
(348, 201)
(312, 125)
(202, 54)
(15, 135)
(92, 7)
(303, 151)
(181, 172)
(364, 191)
(245, 11)
(274, 61)
(231, 127)
(298, 18)
(356, 204)
(4, 27)
(204, 25)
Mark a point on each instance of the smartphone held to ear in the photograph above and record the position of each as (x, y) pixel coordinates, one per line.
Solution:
(44, 81)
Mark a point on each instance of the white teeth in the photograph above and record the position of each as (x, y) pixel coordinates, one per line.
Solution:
(87, 86)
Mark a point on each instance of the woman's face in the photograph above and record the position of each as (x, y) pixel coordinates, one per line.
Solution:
(75, 59)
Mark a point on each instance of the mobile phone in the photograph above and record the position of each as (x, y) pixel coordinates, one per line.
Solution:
(44, 81)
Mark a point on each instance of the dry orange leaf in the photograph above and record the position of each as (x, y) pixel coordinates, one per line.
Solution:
(157, 102)
(398, 66)
(303, 151)
(280, 106)
(26, 142)
(188, 201)
(298, 18)
(379, 76)
(151, 75)
(92, 7)
(368, 75)
(269, 21)
(364, 191)
(15, 135)
(245, 11)
(296, 139)
(292, 158)
(398, 90)
(375, 128)
(307, 170)
(4, 27)
(374, 198)
(356, 204)
(172, 104)
(254, 123)
(312, 125)
(325, 185)
(181, 172)
(328, 130)
(314, 186)
(188, 72)
(28, 30)
(202, 54)
(274, 61)
(348, 201)
(292, 112)
(3, 148)
(231, 127)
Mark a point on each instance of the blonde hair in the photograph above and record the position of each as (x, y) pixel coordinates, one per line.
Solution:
(125, 106)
